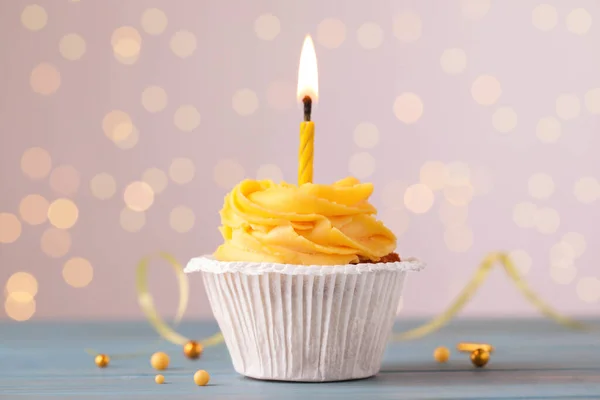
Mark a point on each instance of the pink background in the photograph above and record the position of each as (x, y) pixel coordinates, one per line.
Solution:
(484, 72)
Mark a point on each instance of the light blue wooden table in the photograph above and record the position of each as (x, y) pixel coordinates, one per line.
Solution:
(534, 359)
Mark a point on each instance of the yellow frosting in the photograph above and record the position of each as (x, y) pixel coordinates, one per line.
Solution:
(308, 224)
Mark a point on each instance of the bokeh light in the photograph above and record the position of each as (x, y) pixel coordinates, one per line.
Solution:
(33, 209)
(36, 163)
(369, 35)
(44, 79)
(186, 118)
(19, 310)
(548, 130)
(408, 108)
(182, 219)
(544, 17)
(459, 195)
(182, 170)
(576, 241)
(407, 27)
(366, 135)
(434, 174)
(418, 198)
(524, 214)
(103, 186)
(11, 228)
(486, 90)
(65, 180)
(55, 242)
(568, 106)
(587, 189)
(588, 289)
(72, 46)
(244, 102)
(540, 186)
(132, 221)
(475, 9)
(154, 21)
(267, 27)
(453, 61)
(453, 215)
(126, 42)
(269, 171)
(34, 17)
(138, 196)
(579, 21)
(130, 141)
(361, 165)
(331, 33)
(117, 125)
(78, 272)
(504, 119)
(22, 282)
(458, 239)
(156, 178)
(63, 213)
(592, 100)
(183, 44)
(154, 99)
(457, 173)
(563, 276)
(547, 220)
(562, 255)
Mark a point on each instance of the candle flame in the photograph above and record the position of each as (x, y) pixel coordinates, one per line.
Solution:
(308, 76)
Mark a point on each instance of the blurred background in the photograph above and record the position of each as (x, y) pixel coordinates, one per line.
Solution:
(124, 123)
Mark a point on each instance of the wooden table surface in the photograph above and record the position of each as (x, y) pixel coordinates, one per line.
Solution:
(534, 359)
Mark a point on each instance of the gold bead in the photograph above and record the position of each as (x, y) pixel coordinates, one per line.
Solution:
(441, 354)
(159, 361)
(192, 349)
(160, 379)
(471, 347)
(480, 357)
(102, 360)
(201, 377)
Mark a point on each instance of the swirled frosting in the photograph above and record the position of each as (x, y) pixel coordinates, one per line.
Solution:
(309, 224)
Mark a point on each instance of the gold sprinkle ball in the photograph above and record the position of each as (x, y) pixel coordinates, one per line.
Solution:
(192, 349)
(441, 354)
(160, 379)
(480, 357)
(471, 347)
(159, 361)
(102, 360)
(201, 377)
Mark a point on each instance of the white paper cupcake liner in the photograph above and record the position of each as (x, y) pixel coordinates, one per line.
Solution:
(304, 323)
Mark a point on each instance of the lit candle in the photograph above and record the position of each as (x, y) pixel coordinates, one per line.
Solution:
(308, 92)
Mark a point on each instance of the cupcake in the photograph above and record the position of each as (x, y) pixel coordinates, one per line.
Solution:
(306, 284)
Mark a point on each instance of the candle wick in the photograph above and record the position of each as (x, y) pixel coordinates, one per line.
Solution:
(307, 107)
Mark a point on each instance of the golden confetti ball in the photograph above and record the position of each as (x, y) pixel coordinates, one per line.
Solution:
(159, 361)
(192, 349)
(480, 357)
(441, 354)
(160, 379)
(201, 377)
(102, 360)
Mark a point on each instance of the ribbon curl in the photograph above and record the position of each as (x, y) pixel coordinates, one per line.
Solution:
(168, 333)
(467, 293)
